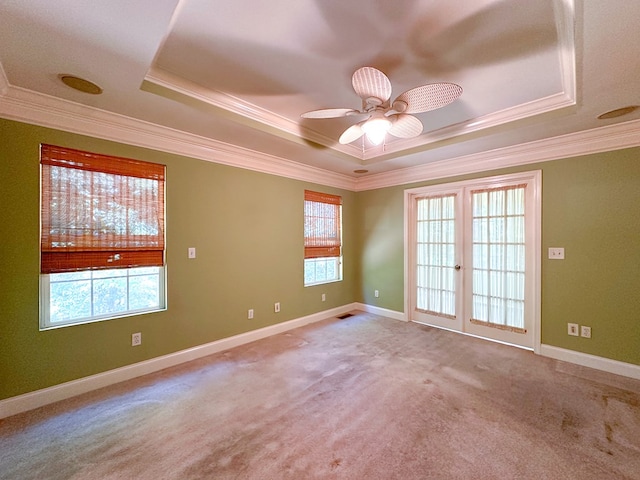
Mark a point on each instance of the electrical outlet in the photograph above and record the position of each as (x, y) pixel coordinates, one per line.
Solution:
(376, 293)
(276, 307)
(324, 297)
(136, 339)
(556, 253)
(572, 329)
(585, 332)
(250, 314)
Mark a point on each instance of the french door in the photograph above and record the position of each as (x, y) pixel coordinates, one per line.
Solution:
(473, 257)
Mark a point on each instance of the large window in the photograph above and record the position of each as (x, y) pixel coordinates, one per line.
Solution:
(102, 237)
(322, 238)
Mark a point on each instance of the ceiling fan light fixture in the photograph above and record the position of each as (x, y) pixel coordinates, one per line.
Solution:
(376, 128)
(383, 116)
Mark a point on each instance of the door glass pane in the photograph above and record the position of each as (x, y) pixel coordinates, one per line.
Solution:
(498, 256)
(435, 272)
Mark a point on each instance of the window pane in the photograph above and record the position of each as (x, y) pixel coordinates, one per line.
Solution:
(480, 204)
(480, 230)
(496, 203)
(331, 269)
(309, 271)
(110, 295)
(515, 229)
(480, 308)
(448, 208)
(69, 299)
(143, 291)
(322, 270)
(480, 256)
(515, 201)
(496, 257)
(481, 282)
(496, 229)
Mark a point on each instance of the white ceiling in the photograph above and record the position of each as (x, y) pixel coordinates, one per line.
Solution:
(238, 73)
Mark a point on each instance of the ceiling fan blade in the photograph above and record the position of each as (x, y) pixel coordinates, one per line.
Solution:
(370, 82)
(352, 133)
(330, 113)
(429, 97)
(405, 126)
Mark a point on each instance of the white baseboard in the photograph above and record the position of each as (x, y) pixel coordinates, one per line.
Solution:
(592, 361)
(39, 398)
(45, 396)
(395, 315)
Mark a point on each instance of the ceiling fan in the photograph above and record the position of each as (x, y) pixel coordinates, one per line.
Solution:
(379, 116)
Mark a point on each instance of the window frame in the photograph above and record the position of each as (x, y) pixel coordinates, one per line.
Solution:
(45, 303)
(311, 247)
(103, 252)
(338, 261)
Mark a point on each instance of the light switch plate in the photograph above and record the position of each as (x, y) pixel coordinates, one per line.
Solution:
(192, 252)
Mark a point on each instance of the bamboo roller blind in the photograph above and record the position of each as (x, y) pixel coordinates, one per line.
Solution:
(99, 211)
(322, 225)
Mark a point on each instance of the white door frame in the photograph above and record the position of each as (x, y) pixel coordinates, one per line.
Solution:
(534, 178)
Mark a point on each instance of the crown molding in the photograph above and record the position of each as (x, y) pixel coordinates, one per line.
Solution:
(258, 116)
(44, 110)
(508, 115)
(261, 118)
(596, 140)
(39, 109)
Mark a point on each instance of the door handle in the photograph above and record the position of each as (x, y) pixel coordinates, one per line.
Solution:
(457, 267)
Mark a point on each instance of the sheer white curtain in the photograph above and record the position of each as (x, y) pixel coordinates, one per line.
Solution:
(436, 255)
(498, 225)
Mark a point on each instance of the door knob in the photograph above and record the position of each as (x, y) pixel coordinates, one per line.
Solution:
(457, 267)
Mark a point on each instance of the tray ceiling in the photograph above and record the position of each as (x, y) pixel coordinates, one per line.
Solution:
(241, 72)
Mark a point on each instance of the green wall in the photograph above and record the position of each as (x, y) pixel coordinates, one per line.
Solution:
(247, 229)
(590, 206)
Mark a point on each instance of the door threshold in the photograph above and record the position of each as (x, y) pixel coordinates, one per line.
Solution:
(474, 336)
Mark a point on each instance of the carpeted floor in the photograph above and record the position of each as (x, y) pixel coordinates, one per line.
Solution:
(360, 398)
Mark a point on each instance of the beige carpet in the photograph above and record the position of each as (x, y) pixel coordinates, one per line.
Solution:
(359, 398)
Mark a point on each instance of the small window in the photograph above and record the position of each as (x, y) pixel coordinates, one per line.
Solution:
(322, 238)
(102, 237)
